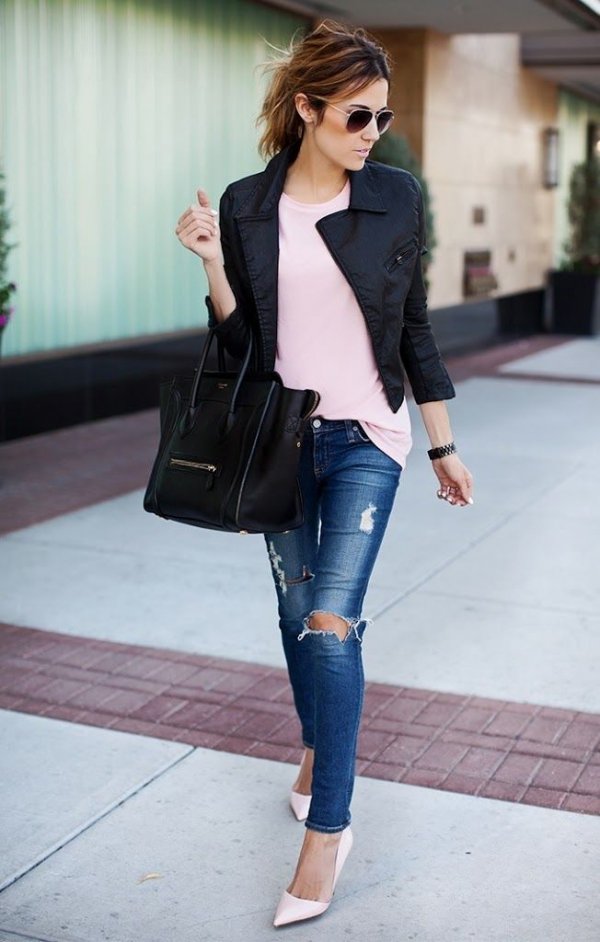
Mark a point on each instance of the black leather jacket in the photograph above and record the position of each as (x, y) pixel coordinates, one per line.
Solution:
(377, 243)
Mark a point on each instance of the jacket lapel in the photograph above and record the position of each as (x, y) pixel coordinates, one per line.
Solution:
(351, 235)
(258, 225)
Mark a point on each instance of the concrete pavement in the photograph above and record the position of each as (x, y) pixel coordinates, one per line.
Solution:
(112, 835)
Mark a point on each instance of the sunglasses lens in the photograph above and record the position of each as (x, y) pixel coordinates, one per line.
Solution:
(384, 119)
(358, 120)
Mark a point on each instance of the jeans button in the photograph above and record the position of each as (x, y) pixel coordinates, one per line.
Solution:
(316, 423)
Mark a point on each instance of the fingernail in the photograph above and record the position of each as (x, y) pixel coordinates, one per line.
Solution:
(214, 212)
(470, 500)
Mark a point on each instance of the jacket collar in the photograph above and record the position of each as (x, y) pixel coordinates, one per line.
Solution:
(365, 193)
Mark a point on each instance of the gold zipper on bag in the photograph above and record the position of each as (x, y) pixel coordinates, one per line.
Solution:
(200, 465)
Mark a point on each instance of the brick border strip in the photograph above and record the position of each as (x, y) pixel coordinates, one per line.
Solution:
(518, 752)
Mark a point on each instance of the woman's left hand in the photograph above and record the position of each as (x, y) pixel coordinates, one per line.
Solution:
(456, 482)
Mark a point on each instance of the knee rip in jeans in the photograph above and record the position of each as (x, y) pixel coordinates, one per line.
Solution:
(352, 623)
(282, 580)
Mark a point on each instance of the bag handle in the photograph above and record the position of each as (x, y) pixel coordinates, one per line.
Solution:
(189, 418)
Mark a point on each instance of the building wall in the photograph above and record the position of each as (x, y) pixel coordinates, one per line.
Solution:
(574, 113)
(480, 145)
(408, 51)
(113, 113)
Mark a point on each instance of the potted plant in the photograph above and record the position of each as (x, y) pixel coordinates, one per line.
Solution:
(394, 150)
(574, 287)
(6, 287)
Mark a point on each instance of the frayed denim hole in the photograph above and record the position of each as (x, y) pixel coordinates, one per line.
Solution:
(352, 623)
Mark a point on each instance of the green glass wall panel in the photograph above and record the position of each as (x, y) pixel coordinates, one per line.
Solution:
(113, 113)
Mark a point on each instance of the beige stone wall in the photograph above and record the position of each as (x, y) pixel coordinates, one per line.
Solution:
(408, 49)
(479, 138)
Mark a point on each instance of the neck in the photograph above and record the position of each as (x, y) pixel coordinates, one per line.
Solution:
(312, 177)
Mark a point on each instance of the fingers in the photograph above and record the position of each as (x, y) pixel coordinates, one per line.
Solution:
(198, 221)
(466, 488)
(204, 203)
(448, 493)
(455, 494)
(194, 213)
(196, 228)
(456, 481)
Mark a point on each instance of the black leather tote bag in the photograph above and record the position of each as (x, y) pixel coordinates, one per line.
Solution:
(229, 449)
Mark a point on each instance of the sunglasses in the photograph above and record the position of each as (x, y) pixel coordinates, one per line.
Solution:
(358, 119)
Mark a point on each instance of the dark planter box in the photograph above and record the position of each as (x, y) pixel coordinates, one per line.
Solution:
(574, 303)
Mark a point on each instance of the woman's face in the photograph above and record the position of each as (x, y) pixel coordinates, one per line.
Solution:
(330, 137)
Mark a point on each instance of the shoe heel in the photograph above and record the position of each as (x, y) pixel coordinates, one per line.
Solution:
(345, 846)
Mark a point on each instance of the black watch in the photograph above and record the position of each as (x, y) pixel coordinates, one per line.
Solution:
(441, 451)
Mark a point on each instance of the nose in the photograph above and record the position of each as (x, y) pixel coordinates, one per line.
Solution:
(371, 133)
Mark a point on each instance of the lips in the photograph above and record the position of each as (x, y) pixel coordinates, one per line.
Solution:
(364, 152)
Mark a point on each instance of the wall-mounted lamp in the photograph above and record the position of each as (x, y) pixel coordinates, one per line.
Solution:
(550, 157)
(593, 140)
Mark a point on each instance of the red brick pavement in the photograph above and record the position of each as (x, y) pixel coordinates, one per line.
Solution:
(518, 752)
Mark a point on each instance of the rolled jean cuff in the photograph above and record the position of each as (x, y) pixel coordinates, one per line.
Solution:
(326, 830)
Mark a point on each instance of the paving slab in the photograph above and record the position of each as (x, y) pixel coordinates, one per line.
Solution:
(59, 778)
(520, 417)
(457, 642)
(546, 560)
(576, 359)
(204, 851)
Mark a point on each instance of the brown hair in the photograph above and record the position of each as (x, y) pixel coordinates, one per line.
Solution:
(329, 62)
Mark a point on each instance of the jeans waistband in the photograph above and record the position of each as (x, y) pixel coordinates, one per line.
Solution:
(317, 424)
(318, 421)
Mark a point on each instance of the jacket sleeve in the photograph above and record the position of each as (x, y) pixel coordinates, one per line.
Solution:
(234, 331)
(419, 352)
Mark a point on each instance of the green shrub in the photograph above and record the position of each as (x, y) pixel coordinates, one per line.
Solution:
(6, 287)
(582, 247)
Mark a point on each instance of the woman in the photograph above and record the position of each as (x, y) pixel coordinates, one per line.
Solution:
(320, 255)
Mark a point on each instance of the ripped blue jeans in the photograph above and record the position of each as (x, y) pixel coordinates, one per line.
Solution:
(348, 486)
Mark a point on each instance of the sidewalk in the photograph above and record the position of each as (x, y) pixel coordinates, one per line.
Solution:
(148, 735)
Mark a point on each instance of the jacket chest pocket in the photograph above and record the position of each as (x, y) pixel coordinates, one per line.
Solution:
(400, 257)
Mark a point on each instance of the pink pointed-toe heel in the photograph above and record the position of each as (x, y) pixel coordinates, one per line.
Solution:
(294, 908)
(300, 804)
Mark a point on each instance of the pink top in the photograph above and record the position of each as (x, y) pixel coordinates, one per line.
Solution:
(322, 339)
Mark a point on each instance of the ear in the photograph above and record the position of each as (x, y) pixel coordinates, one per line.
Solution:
(304, 109)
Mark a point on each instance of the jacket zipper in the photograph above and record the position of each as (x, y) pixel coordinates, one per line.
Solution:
(397, 259)
(196, 465)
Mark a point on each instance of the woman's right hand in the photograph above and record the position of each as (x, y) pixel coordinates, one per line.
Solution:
(198, 229)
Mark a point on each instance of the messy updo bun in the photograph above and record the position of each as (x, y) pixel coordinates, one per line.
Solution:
(330, 62)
